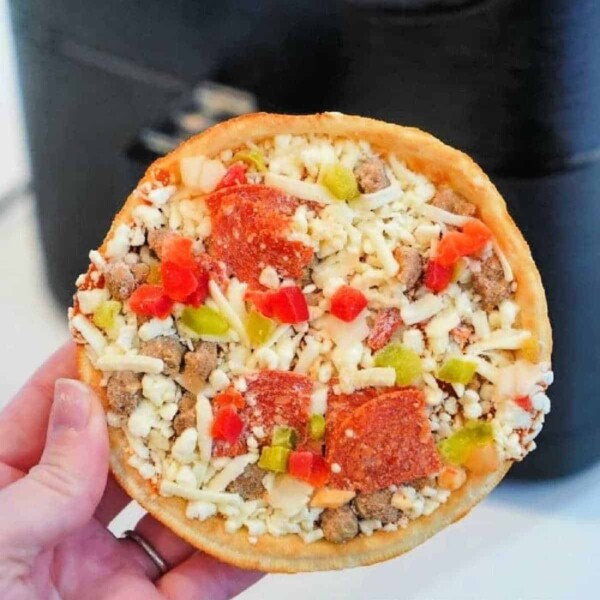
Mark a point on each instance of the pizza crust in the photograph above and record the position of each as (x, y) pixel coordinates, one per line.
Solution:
(442, 165)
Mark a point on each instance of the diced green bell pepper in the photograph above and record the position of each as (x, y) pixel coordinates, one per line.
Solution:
(340, 181)
(259, 328)
(316, 427)
(405, 361)
(274, 458)
(457, 370)
(253, 158)
(204, 320)
(286, 437)
(106, 313)
(458, 446)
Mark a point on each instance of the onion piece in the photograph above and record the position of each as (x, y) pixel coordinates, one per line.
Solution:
(378, 199)
(443, 216)
(300, 189)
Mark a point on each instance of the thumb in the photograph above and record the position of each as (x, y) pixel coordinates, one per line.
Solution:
(59, 494)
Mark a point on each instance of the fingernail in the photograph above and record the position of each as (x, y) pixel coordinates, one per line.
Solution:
(71, 408)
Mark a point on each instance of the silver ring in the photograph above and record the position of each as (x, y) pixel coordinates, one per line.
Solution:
(148, 548)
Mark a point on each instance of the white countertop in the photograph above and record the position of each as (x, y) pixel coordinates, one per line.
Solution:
(525, 542)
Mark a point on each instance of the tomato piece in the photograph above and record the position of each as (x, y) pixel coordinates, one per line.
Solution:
(321, 472)
(150, 301)
(524, 402)
(227, 425)
(199, 295)
(437, 277)
(478, 232)
(178, 249)
(178, 281)
(229, 397)
(300, 464)
(263, 301)
(309, 467)
(235, 175)
(454, 245)
(287, 305)
(347, 303)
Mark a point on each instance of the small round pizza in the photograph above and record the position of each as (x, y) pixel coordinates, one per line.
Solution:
(319, 340)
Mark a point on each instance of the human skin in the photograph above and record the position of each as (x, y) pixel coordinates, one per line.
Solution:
(57, 499)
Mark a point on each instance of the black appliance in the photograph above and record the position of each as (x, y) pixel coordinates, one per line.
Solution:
(515, 83)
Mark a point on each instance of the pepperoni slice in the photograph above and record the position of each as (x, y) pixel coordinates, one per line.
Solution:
(391, 443)
(272, 398)
(249, 223)
(340, 406)
(387, 321)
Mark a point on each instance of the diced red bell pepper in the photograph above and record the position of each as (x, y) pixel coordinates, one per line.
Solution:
(437, 277)
(347, 303)
(479, 233)
(309, 467)
(229, 397)
(263, 301)
(524, 402)
(456, 244)
(198, 296)
(179, 282)
(235, 175)
(227, 425)
(287, 304)
(178, 249)
(150, 301)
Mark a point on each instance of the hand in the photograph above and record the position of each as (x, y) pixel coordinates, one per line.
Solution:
(56, 501)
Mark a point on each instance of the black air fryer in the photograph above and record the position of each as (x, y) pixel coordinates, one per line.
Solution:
(108, 86)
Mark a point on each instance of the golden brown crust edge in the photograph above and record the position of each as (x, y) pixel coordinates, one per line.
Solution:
(440, 163)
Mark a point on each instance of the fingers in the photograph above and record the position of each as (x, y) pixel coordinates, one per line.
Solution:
(169, 546)
(113, 501)
(60, 494)
(202, 576)
(24, 421)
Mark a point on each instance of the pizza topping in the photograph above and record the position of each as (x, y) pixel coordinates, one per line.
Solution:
(204, 321)
(376, 505)
(287, 304)
(449, 200)
(259, 328)
(309, 467)
(252, 158)
(376, 457)
(339, 524)
(370, 175)
(340, 181)
(456, 244)
(347, 303)
(457, 448)
(438, 277)
(274, 458)
(457, 370)
(235, 175)
(150, 301)
(278, 398)
(316, 427)
(227, 425)
(249, 223)
(387, 322)
(403, 360)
